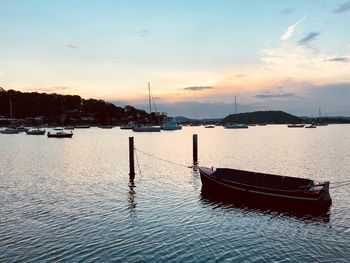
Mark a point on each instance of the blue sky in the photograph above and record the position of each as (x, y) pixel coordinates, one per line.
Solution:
(288, 55)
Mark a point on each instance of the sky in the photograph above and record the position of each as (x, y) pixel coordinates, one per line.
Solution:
(197, 55)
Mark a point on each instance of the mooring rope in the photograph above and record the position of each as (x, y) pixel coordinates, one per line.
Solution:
(137, 161)
(161, 159)
(341, 182)
(340, 185)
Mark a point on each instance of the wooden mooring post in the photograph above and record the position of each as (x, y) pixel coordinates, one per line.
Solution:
(131, 160)
(195, 149)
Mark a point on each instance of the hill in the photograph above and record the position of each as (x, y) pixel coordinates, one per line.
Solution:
(277, 117)
(67, 109)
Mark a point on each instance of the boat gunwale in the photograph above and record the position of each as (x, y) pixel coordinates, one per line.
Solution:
(311, 196)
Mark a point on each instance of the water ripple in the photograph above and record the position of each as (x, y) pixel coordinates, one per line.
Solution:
(77, 206)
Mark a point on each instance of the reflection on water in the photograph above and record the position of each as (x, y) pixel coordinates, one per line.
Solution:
(131, 202)
(248, 206)
(70, 200)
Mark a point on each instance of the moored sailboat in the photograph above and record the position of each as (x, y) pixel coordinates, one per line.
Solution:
(148, 127)
(236, 124)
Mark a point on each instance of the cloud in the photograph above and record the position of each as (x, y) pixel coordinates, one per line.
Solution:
(309, 38)
(55, 89)
(338, 59)
(240, 75)
(342, 8)
(287, 11)
(289, 33)
(277, 92)
(268, 95)
(71, 46)
(141, 33)
(197, 88)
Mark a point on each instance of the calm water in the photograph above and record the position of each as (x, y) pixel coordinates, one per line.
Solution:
(68, 199)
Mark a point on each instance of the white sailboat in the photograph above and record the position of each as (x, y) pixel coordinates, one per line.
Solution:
(236, 125)
(320, 121)
(148, 127)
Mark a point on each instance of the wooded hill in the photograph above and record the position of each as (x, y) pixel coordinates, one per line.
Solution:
(277, 117)
(70, 109)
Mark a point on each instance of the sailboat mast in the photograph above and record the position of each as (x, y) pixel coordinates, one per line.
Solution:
(235, 105)
(11, 109)
(149, 101)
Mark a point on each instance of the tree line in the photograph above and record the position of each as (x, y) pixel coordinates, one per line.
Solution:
(70, 109)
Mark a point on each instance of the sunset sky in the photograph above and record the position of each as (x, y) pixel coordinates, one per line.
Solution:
(286, 55)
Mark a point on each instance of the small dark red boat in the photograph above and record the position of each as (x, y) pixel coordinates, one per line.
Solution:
(260, 187)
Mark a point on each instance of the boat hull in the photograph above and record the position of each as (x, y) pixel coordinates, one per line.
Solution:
(165, 128)
(252, 194)
(295, 125)
(36, 132)
(236, 126)
(10, 131)
(66, 135)
(146, 129)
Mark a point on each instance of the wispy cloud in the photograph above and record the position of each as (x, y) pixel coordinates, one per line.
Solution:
(309, 38)
(267, 95)
(342, 8)
(142, 32)
(289, 33)
(287, 11)
(338, 59)
(277, 92)
(197, 88)
(72, 46)
(240, 75)
(54, 89)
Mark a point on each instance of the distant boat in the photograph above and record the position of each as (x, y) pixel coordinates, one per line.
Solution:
(60, 134)
(82, 126)
(14, 130)
(147, 127)
(21, 128)
(311, 126)
(170, 124)
(9, 131)
(236, 125)
(36, 132)
(128, 126)
(106, 126)
(209, 126)
(195, 124)
(296, 125)
(260, 187)
(319, 123)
